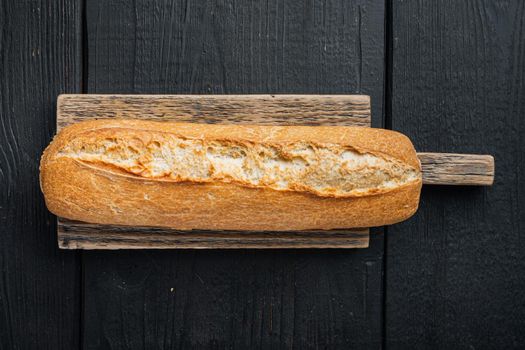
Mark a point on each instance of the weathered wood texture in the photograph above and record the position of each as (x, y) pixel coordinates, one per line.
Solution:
(80, 235)
(39, 284)
(227, 109)
(233, 109)
(457, 169)
(235, 298)
(455, 271)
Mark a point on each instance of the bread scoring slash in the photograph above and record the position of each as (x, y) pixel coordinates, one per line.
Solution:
(230, 177)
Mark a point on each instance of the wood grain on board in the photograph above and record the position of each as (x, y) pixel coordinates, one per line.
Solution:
(338, 110)
(81, 235)
(457, 169)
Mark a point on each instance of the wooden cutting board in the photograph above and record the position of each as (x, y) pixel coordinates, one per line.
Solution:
(349, 110)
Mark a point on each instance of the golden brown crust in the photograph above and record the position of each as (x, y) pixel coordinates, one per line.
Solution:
(378, 141)
(84, 191)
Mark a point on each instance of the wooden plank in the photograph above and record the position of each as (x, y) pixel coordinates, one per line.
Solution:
(230, 109)
(243, 298)
(80, 235)
(40, 45)
(457, 169)
(455, 271)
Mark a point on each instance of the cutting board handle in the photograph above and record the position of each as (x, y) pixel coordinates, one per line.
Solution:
(457, 169)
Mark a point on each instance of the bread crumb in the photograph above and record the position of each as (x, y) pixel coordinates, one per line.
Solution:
(322, 169)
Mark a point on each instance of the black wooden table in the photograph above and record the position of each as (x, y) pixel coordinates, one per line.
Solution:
(449, 74)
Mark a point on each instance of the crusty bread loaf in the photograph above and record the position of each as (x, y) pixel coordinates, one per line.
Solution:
(230, 177)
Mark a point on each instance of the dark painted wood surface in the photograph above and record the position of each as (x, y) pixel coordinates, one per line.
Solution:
(243, 298)
(456, 271)
(39, 285)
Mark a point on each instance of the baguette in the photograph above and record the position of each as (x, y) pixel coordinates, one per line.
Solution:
(230, 177)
